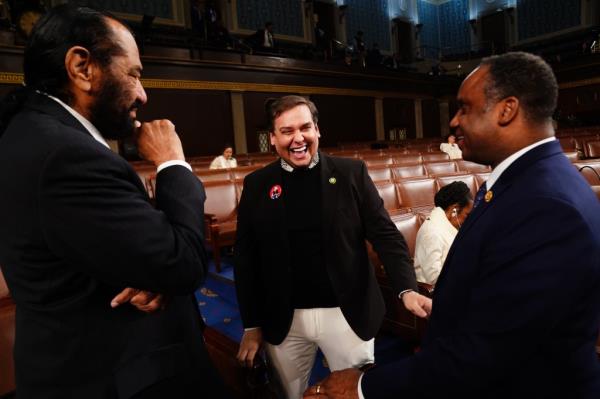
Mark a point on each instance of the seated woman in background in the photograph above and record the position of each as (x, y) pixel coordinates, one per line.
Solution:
(224, 161)
(452, 205)
(451, 148)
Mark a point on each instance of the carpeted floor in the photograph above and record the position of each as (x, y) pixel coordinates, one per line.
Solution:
(218, 303)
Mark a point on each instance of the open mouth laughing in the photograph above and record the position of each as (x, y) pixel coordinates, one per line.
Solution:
(299, 152)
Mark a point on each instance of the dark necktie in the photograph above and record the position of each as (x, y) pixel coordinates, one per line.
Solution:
(480, 194)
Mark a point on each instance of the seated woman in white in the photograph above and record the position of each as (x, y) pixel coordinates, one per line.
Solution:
(452, 205)
(225, 161)
(451, 148)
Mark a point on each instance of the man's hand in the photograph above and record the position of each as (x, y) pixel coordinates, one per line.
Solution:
(145, 301)
(418, 304)
(251, 343)
(339, 385)
(158, 142)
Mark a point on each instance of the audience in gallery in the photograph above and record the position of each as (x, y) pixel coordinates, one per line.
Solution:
(360, 48)
(262, 39)
(225, 160)
(453, 203)
(451, 148)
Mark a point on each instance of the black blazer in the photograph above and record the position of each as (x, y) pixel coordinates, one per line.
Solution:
(516, 309)
(76, 229)
(352, 212)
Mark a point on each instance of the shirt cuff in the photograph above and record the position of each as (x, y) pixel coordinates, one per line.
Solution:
(251, 328)
(165, 165)
(360, 394)
(404, 292)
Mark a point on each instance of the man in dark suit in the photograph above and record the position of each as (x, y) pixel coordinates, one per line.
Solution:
(302, 273)
(262, 39)
(77, 227)
(517, 306)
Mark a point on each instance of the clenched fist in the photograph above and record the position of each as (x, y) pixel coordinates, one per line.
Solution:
(158, 142)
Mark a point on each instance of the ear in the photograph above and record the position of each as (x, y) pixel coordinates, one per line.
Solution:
(448, 212)
(317, 130)
(509, 109)
(272, 138)
(80, 69)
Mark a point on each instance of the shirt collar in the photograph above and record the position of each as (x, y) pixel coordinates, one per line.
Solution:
(289, 168)
(87, 124)
(502, 166)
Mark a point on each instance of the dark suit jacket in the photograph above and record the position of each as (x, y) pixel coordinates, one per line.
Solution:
(76, 229)
(257, 39)
(352, 212)
(517, 306)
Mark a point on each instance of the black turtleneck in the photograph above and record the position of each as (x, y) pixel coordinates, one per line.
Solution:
(311, 287)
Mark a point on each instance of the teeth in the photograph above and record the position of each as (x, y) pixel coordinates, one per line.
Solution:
(299, 149)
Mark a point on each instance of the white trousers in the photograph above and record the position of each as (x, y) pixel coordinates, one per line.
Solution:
(327, 329)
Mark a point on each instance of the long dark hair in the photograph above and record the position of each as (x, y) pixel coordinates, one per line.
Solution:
(54, 34)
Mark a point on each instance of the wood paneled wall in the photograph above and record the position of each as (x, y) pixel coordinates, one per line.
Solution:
(399, 113)
(4, 89)
(582, 102)
(343, 119)
(196, 95)
(431, 118)
(255, 116)
(202, 118)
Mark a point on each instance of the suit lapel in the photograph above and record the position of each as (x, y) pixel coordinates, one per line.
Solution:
(506, 180)
(329, 189)
(275, 207)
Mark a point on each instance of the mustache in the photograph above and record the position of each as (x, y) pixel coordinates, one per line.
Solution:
(135, 105)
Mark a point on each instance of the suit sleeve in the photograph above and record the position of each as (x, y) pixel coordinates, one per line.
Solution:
(245, 261)
(531, 255)
(95, 217)
(387, 241)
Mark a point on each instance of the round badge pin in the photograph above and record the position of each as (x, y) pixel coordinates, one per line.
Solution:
(488, 196)
(332, 180)
(275, 191)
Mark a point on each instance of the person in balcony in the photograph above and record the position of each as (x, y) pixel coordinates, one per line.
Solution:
(263, 40)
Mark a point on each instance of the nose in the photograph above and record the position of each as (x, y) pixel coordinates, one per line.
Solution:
(141, 93)
(298, 136)
(454, 122)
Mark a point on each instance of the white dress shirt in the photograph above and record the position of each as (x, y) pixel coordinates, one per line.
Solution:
(268, 39)
(434, 239)
(502, 166)
(451, 149)
(98, 137)
(221, 162)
